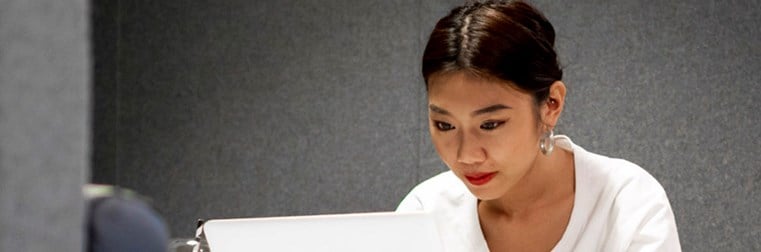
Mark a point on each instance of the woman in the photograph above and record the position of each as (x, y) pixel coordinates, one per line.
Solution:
(495, 94)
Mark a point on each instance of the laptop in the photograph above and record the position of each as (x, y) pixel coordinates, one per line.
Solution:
(385, 231)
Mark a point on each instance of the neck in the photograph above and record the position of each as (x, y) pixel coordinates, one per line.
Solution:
(550, 179)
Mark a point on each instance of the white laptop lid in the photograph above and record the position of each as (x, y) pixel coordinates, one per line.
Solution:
(326, 233)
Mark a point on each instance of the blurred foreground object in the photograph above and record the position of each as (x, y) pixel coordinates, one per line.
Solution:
(119, 220)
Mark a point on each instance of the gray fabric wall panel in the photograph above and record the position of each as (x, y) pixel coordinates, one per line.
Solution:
(44, 138)
(294, 107)
(267, 108)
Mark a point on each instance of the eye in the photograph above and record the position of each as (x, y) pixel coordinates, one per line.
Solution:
(442, 126)
(491, 125)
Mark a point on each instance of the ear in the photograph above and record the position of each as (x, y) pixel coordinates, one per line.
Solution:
(553, 106)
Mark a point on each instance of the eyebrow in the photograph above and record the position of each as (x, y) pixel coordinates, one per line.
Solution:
(489, 109)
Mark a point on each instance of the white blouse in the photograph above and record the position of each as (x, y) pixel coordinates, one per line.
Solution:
(618, 206)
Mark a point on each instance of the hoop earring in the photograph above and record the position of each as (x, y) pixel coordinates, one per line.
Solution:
(547, 142)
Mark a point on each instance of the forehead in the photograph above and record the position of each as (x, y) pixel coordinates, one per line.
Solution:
(463, 90)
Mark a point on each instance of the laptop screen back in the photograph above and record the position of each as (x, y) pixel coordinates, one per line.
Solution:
(322, 233)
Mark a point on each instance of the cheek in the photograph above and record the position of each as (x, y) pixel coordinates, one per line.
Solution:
(445, 145)
(513, 147)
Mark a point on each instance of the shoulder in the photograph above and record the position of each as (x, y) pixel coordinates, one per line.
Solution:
(617, 177)
(603, 172)
(435, 192)
(629, 199)
(617, 183)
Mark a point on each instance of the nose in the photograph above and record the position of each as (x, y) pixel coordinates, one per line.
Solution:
(470, 150)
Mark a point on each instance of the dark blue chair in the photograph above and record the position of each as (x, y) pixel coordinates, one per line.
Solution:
(119, 220)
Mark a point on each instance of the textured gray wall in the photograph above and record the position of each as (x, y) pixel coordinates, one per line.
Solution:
(240, 108)
(44, 123)
(260, 108)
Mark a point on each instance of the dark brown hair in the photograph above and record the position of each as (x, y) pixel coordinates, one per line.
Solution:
(510, 41)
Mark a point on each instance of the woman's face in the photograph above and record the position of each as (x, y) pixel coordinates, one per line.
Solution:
(485, 131)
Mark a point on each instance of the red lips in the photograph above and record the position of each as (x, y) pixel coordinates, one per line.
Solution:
(480, 178)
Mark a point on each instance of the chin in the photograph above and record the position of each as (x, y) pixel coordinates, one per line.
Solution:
(484, 193)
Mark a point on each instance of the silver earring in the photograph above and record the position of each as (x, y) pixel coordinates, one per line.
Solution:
(547, 142)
